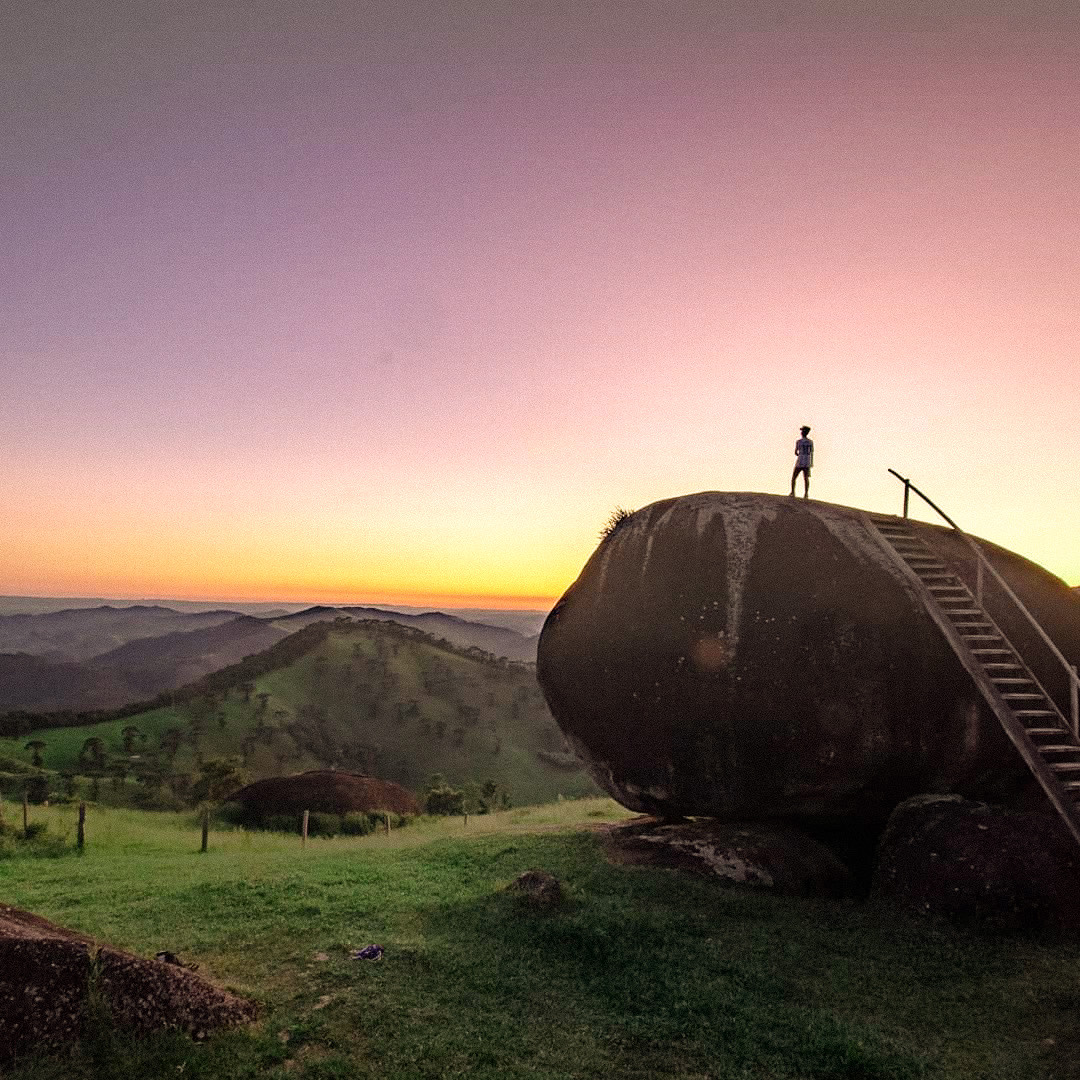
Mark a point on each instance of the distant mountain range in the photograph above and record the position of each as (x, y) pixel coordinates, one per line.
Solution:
(104, 657)
(363, 695)
(527, 622)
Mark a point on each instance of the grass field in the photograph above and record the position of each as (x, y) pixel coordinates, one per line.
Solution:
(642, 973)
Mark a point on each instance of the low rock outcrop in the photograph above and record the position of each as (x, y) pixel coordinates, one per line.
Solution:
(750, 657)
(329, 791)
(46, 973)
(538, 888)
(775, 857)
(969, 862)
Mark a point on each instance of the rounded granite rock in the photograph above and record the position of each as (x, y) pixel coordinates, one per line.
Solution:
(746, 656)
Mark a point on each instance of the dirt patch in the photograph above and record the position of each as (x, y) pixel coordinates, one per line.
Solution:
(47, 972)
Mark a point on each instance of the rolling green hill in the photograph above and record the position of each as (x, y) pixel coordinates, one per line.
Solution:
(369, 696)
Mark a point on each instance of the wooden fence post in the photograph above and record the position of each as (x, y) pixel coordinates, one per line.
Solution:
(25, 816)
(205, 829)
(387, 824)
(80, 834)
(303, 829)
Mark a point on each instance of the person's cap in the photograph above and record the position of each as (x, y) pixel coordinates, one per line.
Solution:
(805, 428)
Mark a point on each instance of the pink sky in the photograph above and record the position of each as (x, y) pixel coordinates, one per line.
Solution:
(341, 301)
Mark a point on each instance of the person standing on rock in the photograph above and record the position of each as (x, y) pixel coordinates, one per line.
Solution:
(804, 460)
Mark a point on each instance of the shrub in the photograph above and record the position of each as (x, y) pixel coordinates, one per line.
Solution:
(36, 841)
(161, 798)
(443, 799)
(322, 824)
(364, 822)
(618, 518)
(287, 823)
(358, 823)
(37, 788)
(234, 814)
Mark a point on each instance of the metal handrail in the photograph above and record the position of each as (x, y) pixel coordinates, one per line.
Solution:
(983, 563)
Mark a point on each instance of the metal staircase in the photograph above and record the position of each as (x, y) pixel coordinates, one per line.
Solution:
(1030, 717)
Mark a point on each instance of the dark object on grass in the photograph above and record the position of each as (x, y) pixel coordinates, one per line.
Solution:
(538, 887)
(171, 958)
(761, 855)
(970, 863)
(47, 973)
(368, 952)
(329, 791)
(750, 657)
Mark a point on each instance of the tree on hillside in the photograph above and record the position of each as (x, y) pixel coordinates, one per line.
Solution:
(170, 742)
(119, 771)
(129, 735)
(93, 754)
(35, 746)
(218, 778)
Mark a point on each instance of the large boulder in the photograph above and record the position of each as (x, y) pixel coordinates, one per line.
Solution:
(748, 656)
(968, 862)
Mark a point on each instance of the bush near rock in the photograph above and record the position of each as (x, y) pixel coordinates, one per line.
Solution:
(329, 791)
(47, 972)
(969, 862)
(762, 855)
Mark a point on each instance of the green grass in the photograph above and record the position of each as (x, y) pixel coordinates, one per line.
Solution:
(643, 972)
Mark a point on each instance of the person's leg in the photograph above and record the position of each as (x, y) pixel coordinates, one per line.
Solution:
(806, 484)
(794, 476)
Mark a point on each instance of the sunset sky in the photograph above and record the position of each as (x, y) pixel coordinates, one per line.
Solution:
(396, 302)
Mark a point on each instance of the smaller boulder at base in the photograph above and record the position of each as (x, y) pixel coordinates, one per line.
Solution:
(762, 855)
(969, 862)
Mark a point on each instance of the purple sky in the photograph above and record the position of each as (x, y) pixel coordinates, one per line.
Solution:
(387, 301)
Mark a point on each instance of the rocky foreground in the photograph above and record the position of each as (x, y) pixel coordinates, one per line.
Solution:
(48, 972)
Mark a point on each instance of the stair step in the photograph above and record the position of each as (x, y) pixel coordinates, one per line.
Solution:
(1065, 766)
(1034, 712)
(1056, 731)
(1071, 785)
(1018, 695)
(1059, 748)
(979, 637)
(984, 651)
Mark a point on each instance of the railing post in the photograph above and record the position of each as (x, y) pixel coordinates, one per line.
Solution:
(1074, 701)
(979, 580)
(907, 495)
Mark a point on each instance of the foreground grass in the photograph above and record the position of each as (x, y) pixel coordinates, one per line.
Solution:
(643, 973)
